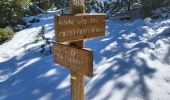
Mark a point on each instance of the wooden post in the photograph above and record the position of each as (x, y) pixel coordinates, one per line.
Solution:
(77, 86)
(77, 79)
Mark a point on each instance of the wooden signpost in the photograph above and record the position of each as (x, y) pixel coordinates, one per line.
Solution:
(74, 29)
(78, 60)
(79, 27)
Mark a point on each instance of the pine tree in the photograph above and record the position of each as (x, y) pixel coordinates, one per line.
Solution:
(151, 5)
(11, 12)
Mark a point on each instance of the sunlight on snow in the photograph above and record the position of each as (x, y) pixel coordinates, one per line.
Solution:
(51, 72)
(64, 83)
(46, 96)
(109, 47)
(105, 39)
(26, 65)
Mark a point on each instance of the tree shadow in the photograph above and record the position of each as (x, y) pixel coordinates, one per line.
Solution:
(34, 77)
(122, 59)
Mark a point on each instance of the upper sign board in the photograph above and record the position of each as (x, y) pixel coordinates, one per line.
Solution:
(79, 27)
(76, 59)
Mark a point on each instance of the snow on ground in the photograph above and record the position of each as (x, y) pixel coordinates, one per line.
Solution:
(132, 62)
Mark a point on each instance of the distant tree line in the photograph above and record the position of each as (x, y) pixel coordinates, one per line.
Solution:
(114, 6)
(13, 11)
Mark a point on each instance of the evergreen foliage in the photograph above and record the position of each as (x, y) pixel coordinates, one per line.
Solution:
(5, 34)
(151, 5)
(32, 10)
(47, 42)
(11, 12)
(109, 7)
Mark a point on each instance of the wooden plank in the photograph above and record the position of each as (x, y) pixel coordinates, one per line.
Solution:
(77, 86)
(79, 27)
(76, 59)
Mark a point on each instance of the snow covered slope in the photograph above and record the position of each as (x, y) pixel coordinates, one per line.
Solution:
(132, 62)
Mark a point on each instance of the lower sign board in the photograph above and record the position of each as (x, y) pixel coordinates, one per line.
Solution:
(79, 27)
(76, 59)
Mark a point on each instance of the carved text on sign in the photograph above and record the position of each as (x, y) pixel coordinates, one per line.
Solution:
(72, 57)
(80, 32)
(77, 22)
(79, 27)
(80, 60)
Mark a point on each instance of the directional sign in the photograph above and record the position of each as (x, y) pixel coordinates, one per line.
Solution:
(76, 59)
(79, 27)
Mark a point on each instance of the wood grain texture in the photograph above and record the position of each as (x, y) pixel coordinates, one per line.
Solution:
(77, 83)
(79, 27)
(77, 86)
(77, 79)
(74, 58)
